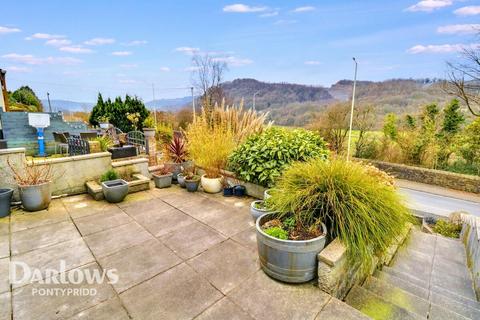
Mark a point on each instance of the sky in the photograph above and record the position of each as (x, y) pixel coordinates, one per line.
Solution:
(75, 49)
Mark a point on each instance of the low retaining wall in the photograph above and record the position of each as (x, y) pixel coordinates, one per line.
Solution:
(441, 178)
(470, 236)
(17, 158)
(136, 165)
(337, 275)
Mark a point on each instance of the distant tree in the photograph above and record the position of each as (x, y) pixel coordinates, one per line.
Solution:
(333, 125)
(410, 122)
(471, 144)
(207, 75)
(364, 122)
(118, 112)
(464, 79)
(390, 126)
(25, 99)
(452, 118)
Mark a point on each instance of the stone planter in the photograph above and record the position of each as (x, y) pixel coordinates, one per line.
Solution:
(181, 180)
(149, 132)
(288, 260)
(141, 183)
(174, 168)
(5, 199)
(104, 125)
(211, 185)
(36, 197)
(258, 212)
(192, 184)
(115, 191)
(162, 181)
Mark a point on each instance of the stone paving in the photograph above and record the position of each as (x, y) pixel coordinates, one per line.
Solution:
(177, 255)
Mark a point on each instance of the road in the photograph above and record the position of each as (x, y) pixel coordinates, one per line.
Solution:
(432, 203)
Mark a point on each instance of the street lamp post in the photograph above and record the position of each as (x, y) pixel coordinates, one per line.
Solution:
(254, 95)
(193, 103)
(351, 111)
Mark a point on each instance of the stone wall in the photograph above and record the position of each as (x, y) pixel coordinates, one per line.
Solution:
(16, 156)
(130, 166)
(441, 178)
(337, 274)
(19, 134)
(471, 239)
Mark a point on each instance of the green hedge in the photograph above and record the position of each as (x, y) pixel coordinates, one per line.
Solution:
(263, 157)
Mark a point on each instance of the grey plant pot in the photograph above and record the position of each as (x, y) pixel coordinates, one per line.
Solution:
(257, 213)
(192, 185)
(36, 197)
(162, 181)
(115, 190)
(181, 180)
(288, 260)
(5, 199)
(266, 194)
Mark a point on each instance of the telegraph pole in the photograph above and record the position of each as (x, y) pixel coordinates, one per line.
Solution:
(351, 111)
(193, 103)
(154, 104)
(254, 95)
(49, 104)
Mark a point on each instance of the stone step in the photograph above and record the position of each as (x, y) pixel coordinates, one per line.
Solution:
(377, 308)
(397, 296)
(440, 313)
(402, 284)
(336, 309)
(454, 306)
(455, 297)
(423, 283)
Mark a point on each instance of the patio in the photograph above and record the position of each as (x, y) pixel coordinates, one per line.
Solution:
(178, 255)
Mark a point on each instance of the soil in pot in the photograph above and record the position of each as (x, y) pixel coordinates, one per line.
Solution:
(5, 199)
(211, 185)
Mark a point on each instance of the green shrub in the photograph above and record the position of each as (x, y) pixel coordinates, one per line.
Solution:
(277, 232)
(447, 228)
(105, 142)
(109, 176)
(263, 157)
(359, 207)
(164, 132)
(149, 122)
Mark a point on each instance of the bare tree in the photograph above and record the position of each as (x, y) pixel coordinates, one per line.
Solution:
(333, 125)
(464, 79)
(207, 76)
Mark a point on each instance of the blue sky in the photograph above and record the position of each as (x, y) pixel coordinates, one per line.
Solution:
(74, 49)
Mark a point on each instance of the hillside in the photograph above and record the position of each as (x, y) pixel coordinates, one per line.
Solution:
(295, 104)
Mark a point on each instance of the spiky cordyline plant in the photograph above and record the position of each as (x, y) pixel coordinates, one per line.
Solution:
(176, 150)
(361, 209)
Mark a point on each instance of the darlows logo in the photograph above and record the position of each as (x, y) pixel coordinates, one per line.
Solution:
(21, 274)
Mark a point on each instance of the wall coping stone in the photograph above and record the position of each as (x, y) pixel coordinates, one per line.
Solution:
(12, 150)
(74, 158)
(333, 254)
(128, 162)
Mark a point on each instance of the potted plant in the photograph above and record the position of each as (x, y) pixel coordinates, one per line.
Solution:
(114, 189)
(176, 153)
(266, 194)
(192, 181)
(103, 121)
(162, 178)
(259, 208)
(149, 126)
(34, 182)
(5, 199)
(181, 178)
(360, 208)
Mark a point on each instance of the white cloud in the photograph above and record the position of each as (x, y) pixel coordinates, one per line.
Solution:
(33, 60)
(45, 36)
(468, 11)
(18, 69)
(188, 50)
(243, 8)
(135, 43)
(165, 69)
(234, 61)
(284, 22)
(121, 53)
(459, 28)
(313, 63)
(76, 49)
(430, 5)
(58, 42)
(127, 81)
(99, 41)
(442, 48)
(269, 14)
(303, 9)
(128, 65)
(191, 69)
(6, 30)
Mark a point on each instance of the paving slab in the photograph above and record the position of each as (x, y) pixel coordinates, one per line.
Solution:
(4, 272)
(5, 306)
(101, 221)
(164, 222)
(141, 207)
(132, 198)
(264, 298)
(192, 240)
(43, 236)
(110, 309)
(4, 226)
(226, 265)
(115, 239)
(83, 205)
(21, 220)
(139, 263)
(336, 309)
(68, 255)
(234, 223)
(4, 246)
(178, 293)
(29, 302)
(247, 238)
(224, 309)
